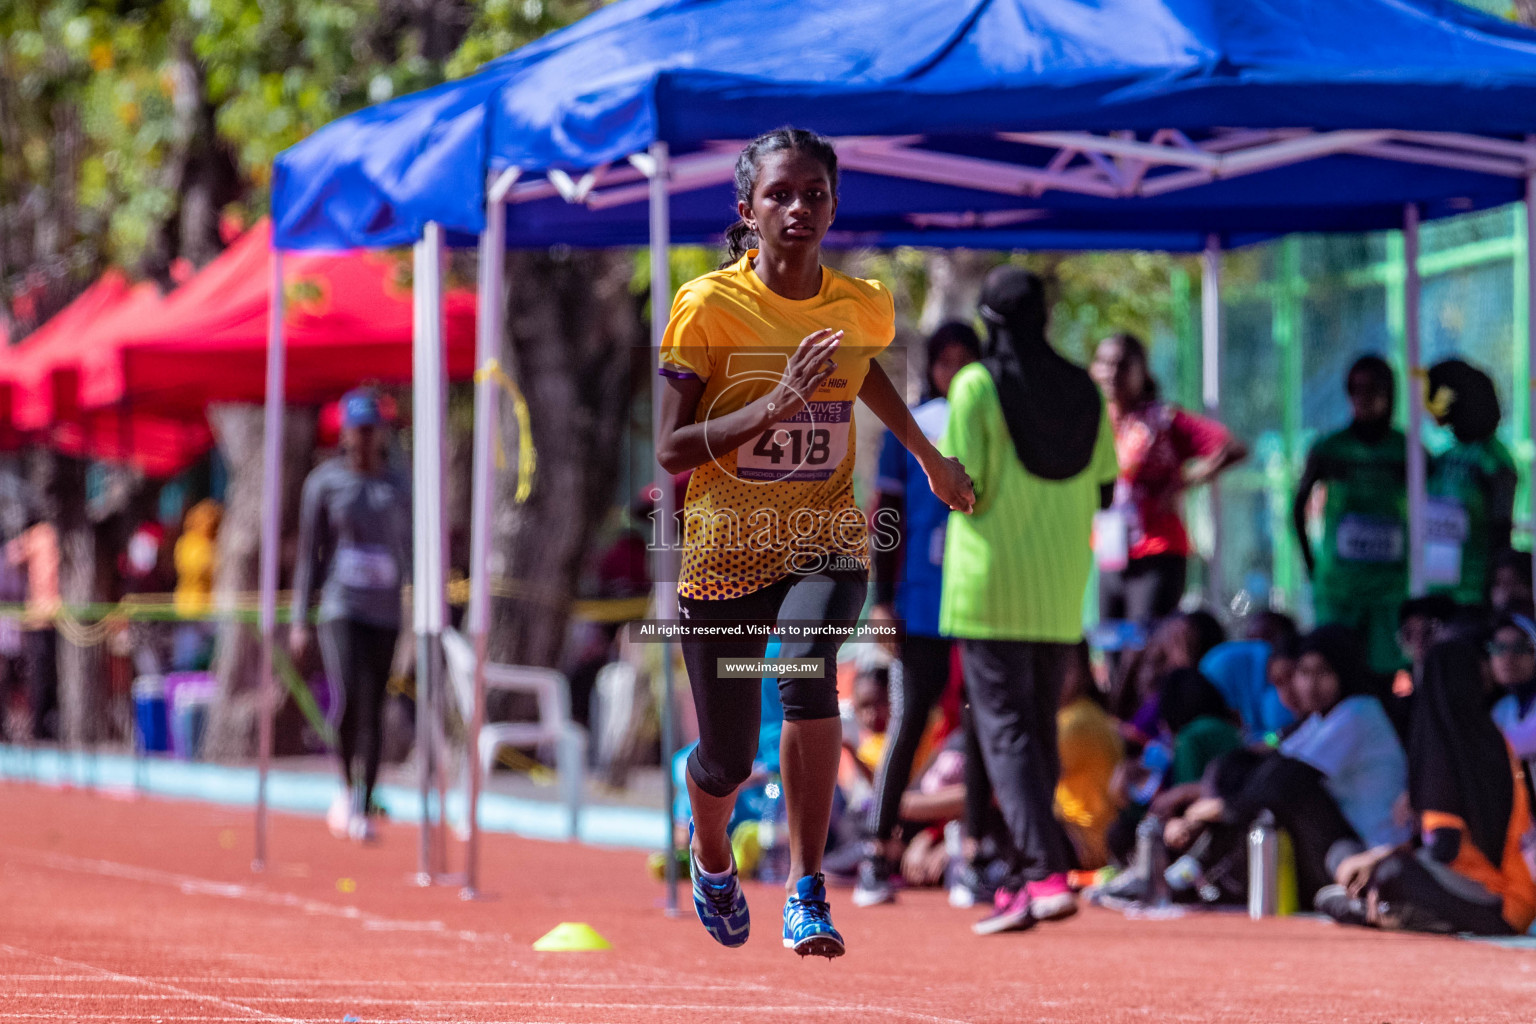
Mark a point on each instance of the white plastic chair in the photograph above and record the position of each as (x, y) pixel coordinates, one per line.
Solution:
(554, 725)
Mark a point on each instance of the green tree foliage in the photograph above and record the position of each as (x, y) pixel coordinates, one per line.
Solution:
(127, 127)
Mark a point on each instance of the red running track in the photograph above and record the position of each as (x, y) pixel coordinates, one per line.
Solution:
(115, 909)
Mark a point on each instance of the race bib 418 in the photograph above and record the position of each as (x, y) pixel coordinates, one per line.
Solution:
(807, 446)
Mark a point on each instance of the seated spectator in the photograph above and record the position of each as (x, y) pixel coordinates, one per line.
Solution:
(1512, 663)
(1421, 623)
(1195, 726)
(1468, 874)
(196, 559)
(1179, 642)
(1090, 748)
(1246, 673)
(1274, 628)
(1510, 589)
(1337, 778)
(1201, 723)
(871, 714)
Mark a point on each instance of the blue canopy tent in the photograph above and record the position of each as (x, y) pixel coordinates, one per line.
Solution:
(1186, 125)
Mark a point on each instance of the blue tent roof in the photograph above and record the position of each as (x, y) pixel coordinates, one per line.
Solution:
(955, 74)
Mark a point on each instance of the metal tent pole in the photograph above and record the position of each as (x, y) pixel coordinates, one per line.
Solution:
(1417, 468)
(1211, 326)
(437, 524)
(271, 542)
(489, 326)
(421, 451)
(664, 556)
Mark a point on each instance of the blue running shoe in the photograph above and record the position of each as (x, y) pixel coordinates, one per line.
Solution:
(722, 908)
(808, 920)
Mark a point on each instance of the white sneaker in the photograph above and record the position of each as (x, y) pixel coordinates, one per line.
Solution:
(339, 818)
(361, 829)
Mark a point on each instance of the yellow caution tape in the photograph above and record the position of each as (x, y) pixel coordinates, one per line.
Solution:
(526, 456)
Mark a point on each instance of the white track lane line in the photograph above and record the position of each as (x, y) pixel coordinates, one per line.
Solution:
(430, 983)
(192, 885)
(250, 1012)
(408, 1002)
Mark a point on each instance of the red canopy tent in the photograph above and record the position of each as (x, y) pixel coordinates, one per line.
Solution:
(39, 387)
(348, 319)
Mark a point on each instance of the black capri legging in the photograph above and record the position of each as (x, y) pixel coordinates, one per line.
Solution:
(730, 710)
(358, 656)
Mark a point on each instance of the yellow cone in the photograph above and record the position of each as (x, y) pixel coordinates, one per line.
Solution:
(571, 937)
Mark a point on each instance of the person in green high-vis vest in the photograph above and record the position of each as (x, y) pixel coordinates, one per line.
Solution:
(1359, 571)
(1034, 433)
(1471, 485)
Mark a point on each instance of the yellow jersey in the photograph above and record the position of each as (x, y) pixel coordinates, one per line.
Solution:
(783, 501)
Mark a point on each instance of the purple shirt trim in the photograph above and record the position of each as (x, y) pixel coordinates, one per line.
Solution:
(677, 374)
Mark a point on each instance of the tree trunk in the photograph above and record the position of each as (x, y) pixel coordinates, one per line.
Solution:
(84, 715)
(199, 170)
(237, 429)
(574, 326)
(954, 290)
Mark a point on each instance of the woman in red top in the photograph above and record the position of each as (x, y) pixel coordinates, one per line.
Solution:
(1163, 451)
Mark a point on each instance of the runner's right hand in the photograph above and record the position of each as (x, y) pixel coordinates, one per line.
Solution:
(808, 367)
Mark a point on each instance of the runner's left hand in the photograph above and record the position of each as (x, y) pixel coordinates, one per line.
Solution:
(952, 485)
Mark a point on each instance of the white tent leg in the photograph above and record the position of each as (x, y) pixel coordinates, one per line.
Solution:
(427, 532)
(1417, 468)
(664, 558)
(1211, 339)
(271, 543)
(490, 310)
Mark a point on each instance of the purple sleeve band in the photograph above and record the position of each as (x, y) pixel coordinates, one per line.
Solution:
(677, 374)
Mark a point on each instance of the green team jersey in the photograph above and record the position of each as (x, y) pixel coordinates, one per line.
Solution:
(1364, 550)
(1470, 486)
(1017, 566)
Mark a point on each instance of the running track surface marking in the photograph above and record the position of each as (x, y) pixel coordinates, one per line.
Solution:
(115, 909)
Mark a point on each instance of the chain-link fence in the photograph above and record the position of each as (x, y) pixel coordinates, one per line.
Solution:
(1299, 311)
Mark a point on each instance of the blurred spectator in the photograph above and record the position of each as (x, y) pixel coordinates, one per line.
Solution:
(1510, 588)
(907, 577)
(1360, 571)
(1421, 623)
(196, 562)
(36, 552)
(1472, 485)
(1199, 721)
(1248, 674)
(1512, 663)
(144, 569)
(1163, 452)
(1179, 642)
(1032, 431)
(1091, 749)
(13, 591)
(871, 715)
(1338, 778)
(1468, 874)
(354, 549)
(1195, 725)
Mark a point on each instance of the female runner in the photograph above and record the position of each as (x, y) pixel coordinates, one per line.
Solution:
(765, 358)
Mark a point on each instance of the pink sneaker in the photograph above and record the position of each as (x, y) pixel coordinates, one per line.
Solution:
(1010, 914)
(1051, 899)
